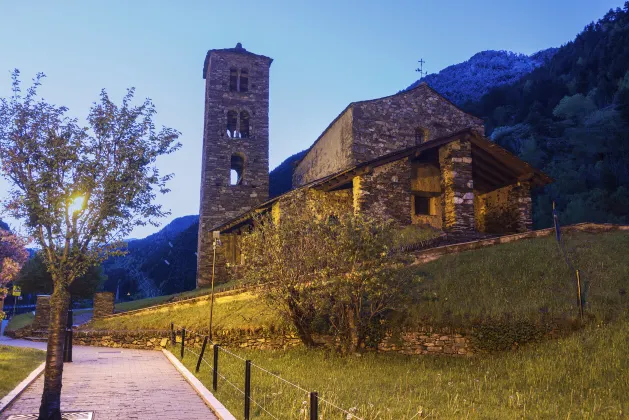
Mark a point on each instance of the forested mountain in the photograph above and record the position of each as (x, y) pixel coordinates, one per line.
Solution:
(471, 79)
(151, 263)
(570, 118)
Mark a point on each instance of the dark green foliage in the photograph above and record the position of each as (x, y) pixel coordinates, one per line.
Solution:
(507, 335)
(35, 278)
(570, 118)
(281, 178)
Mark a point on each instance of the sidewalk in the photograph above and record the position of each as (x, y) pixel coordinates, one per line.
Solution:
(117, 384)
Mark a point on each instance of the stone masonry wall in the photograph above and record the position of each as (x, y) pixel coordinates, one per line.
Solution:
(388, 124)
(103, 304)
(385, 193)
(504, 210)
(42, 313)
(331, 153)
(220, 201)
(457, 186)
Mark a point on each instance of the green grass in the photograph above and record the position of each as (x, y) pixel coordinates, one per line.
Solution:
(244, 310)
(158, 300)
(525, 280)
(20, 321)
(414, 234)
(15, 364)
(585, 375)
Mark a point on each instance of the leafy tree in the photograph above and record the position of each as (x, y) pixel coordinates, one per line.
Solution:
(79, 191)
(35, 278)
(334, 275)
(12, 255)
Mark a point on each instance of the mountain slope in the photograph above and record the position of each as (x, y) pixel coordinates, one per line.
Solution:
(471, 79)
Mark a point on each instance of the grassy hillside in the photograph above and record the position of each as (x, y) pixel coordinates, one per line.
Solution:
(526, 280)
(583, 376)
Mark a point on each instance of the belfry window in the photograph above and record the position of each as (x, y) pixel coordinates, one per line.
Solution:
(420, 135)
(237, 170)
(244, 124)
(232, 124)
(244, 80)
(233, 79)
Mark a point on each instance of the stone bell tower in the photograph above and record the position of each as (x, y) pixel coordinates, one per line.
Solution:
(235, 160)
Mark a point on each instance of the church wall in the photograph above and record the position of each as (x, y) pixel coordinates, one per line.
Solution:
(385, 125)
(330, 154)
(385, 193)
(504, 210)
(426, 181)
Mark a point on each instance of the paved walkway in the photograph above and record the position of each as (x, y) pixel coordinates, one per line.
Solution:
(117, 384)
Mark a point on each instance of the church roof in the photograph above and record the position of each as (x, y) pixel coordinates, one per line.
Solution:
(238, 49)
(422, 85)
(493, 157)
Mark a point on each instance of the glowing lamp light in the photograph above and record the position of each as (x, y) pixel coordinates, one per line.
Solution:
(77, 204)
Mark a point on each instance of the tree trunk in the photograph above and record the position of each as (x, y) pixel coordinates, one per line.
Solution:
(2, 304)
(50, 408)
(352, 330)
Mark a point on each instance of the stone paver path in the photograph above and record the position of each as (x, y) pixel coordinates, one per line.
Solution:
(118, 384)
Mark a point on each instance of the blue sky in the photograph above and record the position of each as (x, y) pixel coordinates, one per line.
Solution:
(326, 54)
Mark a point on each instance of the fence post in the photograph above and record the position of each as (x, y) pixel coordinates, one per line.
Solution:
(183, 341)
(580, 301)
(247, 388)
(314, 406)
(201, 354)
(215, 370)
(173, 341)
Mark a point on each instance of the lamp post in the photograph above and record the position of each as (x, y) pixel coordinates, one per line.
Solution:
(215, 242)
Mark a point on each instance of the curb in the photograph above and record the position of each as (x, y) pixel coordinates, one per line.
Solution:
(12, 396)
(209, 399)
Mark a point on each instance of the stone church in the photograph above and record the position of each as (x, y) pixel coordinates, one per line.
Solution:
(413, 157)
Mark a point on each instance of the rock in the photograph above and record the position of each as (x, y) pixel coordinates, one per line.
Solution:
(163, 342)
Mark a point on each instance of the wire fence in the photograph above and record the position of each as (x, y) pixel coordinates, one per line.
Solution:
(258, 391)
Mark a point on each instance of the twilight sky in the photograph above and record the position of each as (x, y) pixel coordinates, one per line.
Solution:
(327, 53)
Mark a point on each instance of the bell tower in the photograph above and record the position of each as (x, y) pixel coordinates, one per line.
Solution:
(235, 160)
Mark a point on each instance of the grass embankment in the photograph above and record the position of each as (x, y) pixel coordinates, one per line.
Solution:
(585, 375)
(20, 321)
(15, 365)
(244, 310)
(526, 280)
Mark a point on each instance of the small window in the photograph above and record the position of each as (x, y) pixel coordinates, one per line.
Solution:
(422, 205)
(420, 135)
(233, 79)
(244, 80)
(232, 124)
(237, 170)
(244, 124)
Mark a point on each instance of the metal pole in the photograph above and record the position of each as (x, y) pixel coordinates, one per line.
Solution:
(67, 350)
(314, 406)
(212, 292)
(579, 295)
(173, 341)
(215, 370)
(183, 341)
(247, 388)
(201, 354)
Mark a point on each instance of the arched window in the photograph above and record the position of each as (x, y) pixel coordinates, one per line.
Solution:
(244, 80)
(420, 135)
(237, 169)
(232, 123)
(244, 124)
(233, 79)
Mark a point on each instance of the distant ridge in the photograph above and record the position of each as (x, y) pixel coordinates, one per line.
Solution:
(471, 79)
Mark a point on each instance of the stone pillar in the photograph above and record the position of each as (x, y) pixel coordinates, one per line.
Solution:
(457, 186)
(103, 304)
(42, 313)
(520, 199)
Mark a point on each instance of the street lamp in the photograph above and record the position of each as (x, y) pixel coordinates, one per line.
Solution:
(77, 204)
